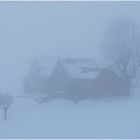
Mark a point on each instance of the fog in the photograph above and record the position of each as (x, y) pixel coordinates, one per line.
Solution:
(79, 95)
(63, 29)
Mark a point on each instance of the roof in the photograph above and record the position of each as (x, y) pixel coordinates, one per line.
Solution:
(81, 68)
(75, 67)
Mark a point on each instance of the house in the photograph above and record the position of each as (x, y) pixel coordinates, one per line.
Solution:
(73, 78)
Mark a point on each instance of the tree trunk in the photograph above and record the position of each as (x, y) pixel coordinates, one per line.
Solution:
(128, 86)
(5, 113)
(128, 89)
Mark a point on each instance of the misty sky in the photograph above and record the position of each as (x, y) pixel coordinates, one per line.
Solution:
(75, 29)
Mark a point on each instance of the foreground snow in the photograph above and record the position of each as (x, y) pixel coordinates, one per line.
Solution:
(106, 118)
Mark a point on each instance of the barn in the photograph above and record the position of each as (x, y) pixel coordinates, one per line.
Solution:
(73, 78)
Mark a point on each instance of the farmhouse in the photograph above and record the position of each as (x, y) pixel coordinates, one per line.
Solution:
(72, 78)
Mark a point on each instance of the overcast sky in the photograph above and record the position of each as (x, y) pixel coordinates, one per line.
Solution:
(75, 29)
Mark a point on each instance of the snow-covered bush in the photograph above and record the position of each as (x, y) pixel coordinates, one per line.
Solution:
(41, 99)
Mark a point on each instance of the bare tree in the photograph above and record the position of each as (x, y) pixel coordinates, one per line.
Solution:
(122, 50)
(5, 101)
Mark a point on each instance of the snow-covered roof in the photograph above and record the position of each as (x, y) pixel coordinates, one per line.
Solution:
(75, 67)
(81, 68)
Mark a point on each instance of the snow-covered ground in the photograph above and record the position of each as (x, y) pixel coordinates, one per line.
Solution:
(105, 118)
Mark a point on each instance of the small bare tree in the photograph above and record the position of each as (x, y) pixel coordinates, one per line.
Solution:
(5, 101)
(122, 50)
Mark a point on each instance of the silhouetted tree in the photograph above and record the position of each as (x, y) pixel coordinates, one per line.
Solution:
(5, 101)
(122, 49)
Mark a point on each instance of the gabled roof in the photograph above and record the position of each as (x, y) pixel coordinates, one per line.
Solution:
(75, 67)
(81, 68)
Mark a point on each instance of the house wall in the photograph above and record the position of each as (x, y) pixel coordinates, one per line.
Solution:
(109, 84)
(35, 85)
